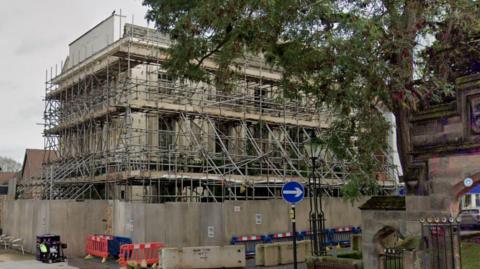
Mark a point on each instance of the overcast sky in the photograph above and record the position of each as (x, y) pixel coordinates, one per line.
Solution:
(34, 35)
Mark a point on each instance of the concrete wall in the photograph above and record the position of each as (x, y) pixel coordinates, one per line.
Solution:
(203, 257)
(176, 224)
(188, 224)
(72, 220)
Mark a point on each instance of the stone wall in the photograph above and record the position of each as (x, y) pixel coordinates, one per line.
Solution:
(445, 176)
(444, 150)
(176, 224)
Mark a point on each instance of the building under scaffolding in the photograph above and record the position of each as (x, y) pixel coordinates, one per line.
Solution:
(123, 129)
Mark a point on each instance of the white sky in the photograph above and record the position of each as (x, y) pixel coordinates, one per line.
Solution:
(34, 35)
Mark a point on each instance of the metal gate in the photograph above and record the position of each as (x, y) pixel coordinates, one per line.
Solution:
(441, 239)
(392, 258)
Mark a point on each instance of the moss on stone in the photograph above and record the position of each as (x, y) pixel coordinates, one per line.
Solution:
(384, 203)
(410, 243)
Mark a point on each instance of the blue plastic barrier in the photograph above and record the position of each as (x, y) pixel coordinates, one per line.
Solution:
(332, 237)
(115, 243)
(337, 236)
(327, 235)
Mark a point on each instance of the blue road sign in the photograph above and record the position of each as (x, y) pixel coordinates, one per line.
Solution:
(293, 192)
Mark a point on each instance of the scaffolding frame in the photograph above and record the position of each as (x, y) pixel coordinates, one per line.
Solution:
(122, 129)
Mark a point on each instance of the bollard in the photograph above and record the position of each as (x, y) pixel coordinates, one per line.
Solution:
(260, 255)
(356, 242)
(271, 254)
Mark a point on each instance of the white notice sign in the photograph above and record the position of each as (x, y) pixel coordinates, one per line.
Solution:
(258, 218)
(210, 232)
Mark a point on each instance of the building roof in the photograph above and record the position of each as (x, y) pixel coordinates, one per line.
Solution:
(6, 176)
(384, 203)
(33, 162)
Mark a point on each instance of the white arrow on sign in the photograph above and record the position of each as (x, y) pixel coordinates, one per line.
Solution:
(298, 192)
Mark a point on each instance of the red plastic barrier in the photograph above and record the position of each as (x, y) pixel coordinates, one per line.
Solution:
(97, 245)
(138, 253)
(282, 235)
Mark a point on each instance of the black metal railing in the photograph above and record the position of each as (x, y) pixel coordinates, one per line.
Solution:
(441, 237)
(392, 258)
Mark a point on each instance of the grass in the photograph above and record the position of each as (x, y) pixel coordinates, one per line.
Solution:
(470, 253)
(351, 255)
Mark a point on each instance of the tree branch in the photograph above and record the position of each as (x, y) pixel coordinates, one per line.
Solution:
(215, 50)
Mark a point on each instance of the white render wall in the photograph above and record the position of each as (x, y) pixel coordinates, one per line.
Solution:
(95, 39)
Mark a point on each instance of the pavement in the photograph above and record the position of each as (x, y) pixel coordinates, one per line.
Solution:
(12, 259)
(469, 233)
(111, 264)
(251, 264)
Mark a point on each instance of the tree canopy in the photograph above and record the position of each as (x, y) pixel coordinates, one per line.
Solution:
(355, 56)
(9, 165)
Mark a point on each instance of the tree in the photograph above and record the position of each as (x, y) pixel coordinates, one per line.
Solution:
(353, 55)
(9, 165)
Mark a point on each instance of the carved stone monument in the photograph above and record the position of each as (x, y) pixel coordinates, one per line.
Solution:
(444, 151)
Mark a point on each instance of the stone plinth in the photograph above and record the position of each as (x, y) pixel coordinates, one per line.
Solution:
(377, 214)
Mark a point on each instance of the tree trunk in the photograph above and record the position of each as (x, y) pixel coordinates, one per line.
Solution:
(405, 29)
(403, 136)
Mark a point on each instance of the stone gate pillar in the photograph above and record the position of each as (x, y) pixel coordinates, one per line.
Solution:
(383, 222)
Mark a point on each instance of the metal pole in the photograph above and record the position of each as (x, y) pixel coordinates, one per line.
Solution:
(313, 210)
(294, 228)
(321, 218)
(310, 214)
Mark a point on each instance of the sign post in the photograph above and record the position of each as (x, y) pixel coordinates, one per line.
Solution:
(294, 230)
(293, 193)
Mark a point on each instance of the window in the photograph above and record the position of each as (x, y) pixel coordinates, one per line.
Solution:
(477, 200)
(165, 83)
(166, 134)
(3, 190)
(297, 135)
(467, 200)
(223, 130)
(260, 96)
